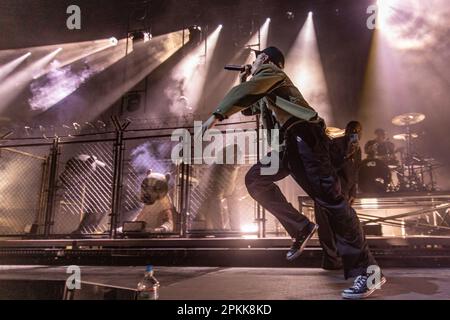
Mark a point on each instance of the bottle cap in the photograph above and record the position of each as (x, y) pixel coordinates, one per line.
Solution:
(149, 268)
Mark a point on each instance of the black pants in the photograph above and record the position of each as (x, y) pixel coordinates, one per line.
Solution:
(307, 160)
(327, 238)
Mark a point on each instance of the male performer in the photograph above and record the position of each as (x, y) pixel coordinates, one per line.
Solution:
(306, 157)
(380, 146)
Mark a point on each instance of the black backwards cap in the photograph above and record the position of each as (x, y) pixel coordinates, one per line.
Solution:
(275, 55)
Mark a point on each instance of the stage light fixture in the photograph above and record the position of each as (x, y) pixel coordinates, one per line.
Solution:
(140, 36)
(290, 15)
(113, 41)
(195, 34)
(134, 35)
(147, 36)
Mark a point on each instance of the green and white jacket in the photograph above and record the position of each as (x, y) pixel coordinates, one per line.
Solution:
(271, 88)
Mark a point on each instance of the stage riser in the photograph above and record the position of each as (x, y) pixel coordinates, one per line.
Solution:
(274, 258)
(219, 243)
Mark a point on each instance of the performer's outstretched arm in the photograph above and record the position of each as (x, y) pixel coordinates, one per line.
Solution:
(246, 94)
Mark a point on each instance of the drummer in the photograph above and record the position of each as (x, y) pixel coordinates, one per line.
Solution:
(380, 147)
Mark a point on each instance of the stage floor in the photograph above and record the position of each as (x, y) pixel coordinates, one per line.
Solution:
(196, 283)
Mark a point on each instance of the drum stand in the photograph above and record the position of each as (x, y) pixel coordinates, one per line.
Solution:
(413, 168)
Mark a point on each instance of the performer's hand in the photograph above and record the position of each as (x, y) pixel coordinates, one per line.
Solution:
(208, 124)
(211, 122)
(246, 73)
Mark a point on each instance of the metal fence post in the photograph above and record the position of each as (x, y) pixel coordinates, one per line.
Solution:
(118, 151)
(41, 214)
(186, 197)
(182, 200)
(260, 211)
(52, 186)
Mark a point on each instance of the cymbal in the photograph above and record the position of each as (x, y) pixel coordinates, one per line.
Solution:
(404, 136)
(335, 132)
(408, 119)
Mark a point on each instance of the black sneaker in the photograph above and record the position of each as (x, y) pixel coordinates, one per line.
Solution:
(360, 290)
(300, 241)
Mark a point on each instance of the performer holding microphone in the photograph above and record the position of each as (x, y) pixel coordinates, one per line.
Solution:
(306, 158)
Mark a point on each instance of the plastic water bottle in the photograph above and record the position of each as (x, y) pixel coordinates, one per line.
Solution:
(148, 288)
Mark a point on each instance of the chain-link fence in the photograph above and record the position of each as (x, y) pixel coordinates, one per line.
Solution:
(149, 158)
(22, 189)
(71, 185)
(83, 200)
(125, 183)
(220, 203)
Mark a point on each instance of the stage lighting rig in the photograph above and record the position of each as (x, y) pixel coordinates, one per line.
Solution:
(195, 34)
(140, 35)
(113, 41)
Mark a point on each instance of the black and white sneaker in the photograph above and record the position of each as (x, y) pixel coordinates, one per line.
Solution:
(300, 241)
(360, 289)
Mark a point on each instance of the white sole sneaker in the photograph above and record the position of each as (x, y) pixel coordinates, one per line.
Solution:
(358, 296)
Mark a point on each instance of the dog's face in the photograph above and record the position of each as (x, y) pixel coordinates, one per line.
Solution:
(154, 187)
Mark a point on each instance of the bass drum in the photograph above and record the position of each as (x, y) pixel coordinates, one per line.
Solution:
(374, 176)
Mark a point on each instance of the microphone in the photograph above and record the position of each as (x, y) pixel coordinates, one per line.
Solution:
(234, 67)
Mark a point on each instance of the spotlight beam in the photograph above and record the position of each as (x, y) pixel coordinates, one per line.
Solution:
(193, 70)
(14, 84)
(243, 56)
(406, 66)
(72, 51)
(6, 69)
(257, 41)
(306, 70)
(103, 90)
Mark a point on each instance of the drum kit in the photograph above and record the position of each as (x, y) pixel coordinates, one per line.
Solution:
(385, 173)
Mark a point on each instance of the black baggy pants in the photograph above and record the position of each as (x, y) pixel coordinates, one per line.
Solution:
(327, 238)
(306, 158)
